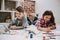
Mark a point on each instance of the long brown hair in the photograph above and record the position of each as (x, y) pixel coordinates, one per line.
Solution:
(47, 12)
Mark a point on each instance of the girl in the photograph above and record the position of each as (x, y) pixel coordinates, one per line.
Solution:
(47, 22)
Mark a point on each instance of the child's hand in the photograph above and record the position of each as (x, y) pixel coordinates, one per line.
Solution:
(6, 30)
(47, 30)
(13, 27)
(38, 28)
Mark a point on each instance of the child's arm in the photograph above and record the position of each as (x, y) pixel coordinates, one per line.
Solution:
(16, 27)
(52, 27)
(44, 29)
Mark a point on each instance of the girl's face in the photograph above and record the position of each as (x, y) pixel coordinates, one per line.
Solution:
(47, 18)
(19, 15)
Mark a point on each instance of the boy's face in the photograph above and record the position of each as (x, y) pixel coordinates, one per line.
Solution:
(31, 14)
(19, 15)
(47, 18)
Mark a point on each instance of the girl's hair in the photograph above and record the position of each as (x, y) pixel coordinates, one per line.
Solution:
(51, 14)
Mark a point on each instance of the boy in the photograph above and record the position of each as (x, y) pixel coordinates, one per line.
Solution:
(20, 21)
(31, 18)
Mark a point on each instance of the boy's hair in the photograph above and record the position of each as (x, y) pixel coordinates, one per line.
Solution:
(19, 9)
(51, 14)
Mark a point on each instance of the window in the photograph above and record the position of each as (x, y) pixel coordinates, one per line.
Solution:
(0, 4)
(10, 5)
(5, 17)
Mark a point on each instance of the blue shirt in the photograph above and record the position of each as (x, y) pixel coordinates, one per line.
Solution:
(33, 21)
